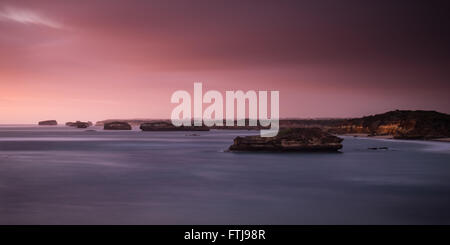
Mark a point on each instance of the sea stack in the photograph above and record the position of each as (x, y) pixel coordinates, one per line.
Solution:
(117, 126)
(290, 140)
(48, 123)
(167, 126)
(79, 124)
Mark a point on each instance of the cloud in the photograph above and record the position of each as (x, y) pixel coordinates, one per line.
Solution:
(25, 16)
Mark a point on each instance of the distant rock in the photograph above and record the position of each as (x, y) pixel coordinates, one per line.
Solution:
(244, 122)
(132, 122)
(287, 140)
(378, 148)
(117, 126)
(168, 126)
(48, 123)
(192, 135)
(79, 124)
(139, 122)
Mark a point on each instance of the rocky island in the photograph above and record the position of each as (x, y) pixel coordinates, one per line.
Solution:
(168, 126)
(290, 140)
(117, 126)
(163, 125)
(79, 124)
(132, 122)
(48, 123)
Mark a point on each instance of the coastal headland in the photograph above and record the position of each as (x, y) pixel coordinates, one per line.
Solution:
(398, 124)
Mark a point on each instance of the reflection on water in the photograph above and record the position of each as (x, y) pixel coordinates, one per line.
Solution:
(61, 175)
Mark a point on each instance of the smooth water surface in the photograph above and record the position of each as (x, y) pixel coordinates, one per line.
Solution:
(61, 175)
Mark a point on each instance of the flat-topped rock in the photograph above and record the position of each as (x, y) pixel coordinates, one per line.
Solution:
(290, 140)
(117, 126)
(168, 126)
(48, 123)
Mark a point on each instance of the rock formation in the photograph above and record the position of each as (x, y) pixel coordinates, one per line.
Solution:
(117, 126)
(79, 124)
(48, 123)
(139, 122)
(168, 126)
(246, 126)
(379, 148)
(293, 139)
(132, 122)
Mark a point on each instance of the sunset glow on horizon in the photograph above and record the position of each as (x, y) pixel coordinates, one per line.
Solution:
(96, 60)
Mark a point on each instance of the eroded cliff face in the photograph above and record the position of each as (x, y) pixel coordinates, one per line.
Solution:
(389, 129)
(294, 139)
(379, 129)
(399, 124)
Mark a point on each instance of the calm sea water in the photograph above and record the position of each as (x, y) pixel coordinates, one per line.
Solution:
(60, 175)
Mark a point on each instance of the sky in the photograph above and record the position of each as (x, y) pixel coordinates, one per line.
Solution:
(94, 60)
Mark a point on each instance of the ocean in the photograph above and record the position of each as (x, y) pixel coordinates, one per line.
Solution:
(62, 175)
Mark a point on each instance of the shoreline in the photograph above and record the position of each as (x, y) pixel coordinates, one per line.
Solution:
(390, 137)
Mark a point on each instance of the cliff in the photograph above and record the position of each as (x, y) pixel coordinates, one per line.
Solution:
(293, 139)
(401, 124)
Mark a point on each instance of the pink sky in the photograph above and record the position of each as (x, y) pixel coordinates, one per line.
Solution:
(93, 60)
